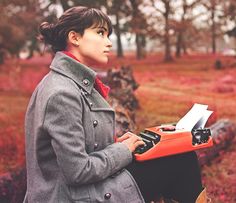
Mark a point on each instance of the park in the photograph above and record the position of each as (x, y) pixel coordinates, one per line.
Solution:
(175, 53)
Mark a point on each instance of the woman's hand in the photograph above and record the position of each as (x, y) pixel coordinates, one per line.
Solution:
(131, 140)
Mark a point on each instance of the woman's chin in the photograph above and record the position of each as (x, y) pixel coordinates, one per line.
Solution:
(102, 61)
(94, 62)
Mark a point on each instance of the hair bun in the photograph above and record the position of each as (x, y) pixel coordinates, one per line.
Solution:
(46, 31)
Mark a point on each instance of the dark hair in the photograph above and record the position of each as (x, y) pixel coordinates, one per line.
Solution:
(77, 19)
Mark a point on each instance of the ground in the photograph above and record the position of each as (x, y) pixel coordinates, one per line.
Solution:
(166, 92)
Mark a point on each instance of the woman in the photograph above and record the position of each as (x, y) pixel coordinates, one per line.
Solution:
(70, 150)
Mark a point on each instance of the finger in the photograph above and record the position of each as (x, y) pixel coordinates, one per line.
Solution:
(123, 137)
(131, 134)
(138, 143)
(134, 138)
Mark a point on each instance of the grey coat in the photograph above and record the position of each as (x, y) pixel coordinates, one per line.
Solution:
(70, 151)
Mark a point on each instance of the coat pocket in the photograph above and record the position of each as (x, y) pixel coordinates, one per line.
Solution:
(118, 188)
(130, 189)
(80, 193)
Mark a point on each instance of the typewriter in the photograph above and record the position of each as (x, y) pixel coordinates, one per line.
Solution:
(166, 140)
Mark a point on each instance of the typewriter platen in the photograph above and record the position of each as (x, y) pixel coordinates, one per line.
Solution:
(166, 140)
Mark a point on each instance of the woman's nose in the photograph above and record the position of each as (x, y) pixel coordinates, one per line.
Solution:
(109, 43)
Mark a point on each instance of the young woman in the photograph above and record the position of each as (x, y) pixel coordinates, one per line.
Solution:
(70, 150)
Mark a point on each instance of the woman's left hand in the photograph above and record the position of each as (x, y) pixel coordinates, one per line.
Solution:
(123, 137)
(131, 140)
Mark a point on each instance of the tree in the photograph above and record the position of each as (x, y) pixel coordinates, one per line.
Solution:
(138, 25)
(181, 27)
(164, 9)
(230, 14)
(88, 3)
(16, 24)
(118, 9)
(215, 9)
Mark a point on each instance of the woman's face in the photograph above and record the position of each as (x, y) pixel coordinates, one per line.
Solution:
(94, 46)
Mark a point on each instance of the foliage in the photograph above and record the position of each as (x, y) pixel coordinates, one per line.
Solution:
(219, 177)
(183, 24)
(18, 25)
(165, 94)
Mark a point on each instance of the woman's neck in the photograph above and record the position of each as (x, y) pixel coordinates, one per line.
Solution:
(76, 55)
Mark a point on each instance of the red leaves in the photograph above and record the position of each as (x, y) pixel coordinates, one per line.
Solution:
(11, 148)
(165, 93)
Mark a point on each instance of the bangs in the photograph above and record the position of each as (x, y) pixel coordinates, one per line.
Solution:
(100, 19)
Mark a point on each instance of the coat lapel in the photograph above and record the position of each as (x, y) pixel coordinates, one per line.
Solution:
(82, 75)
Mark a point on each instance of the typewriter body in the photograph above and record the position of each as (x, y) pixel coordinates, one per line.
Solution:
(167, 140)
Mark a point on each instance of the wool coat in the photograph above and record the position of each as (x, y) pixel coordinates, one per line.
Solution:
(70, 151)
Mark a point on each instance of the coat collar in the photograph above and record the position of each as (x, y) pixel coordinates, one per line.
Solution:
(81, 74)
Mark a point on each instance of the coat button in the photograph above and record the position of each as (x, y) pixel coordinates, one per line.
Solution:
(95, 123)
(86, 82)
(90, 104)
(95, 145)
(86, 94)
(107, 196)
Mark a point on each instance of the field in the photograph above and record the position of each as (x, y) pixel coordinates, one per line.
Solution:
(166, 92)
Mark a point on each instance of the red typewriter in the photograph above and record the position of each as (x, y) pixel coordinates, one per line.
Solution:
(166, 140)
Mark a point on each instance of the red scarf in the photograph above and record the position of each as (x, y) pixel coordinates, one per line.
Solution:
(98, 85)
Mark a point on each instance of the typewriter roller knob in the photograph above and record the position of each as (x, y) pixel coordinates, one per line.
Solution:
(200, 136)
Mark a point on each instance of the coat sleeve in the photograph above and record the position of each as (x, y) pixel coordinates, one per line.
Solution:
(63, 122)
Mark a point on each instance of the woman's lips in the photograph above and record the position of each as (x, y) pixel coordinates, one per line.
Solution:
(106, 52)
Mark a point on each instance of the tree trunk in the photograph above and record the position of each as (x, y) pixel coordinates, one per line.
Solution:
(213, 42)
(168, 56)
(213, 30)
(118, 35)
(138, 46)
(143, 44)
(32, 47)
(181, 43)
(140, 39)
(1, 56)
(178, 45)
(184, 47)
(235, 45)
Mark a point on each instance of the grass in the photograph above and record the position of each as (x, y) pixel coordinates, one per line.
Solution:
(12, 108)
(166, 92)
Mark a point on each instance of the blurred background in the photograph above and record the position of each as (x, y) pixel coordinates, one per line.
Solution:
(180, 52)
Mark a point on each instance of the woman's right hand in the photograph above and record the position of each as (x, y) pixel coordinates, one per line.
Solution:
(131, 140)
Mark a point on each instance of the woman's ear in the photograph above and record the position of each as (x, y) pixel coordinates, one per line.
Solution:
(74, 38)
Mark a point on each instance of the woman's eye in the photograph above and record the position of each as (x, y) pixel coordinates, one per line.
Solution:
(101, 32)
